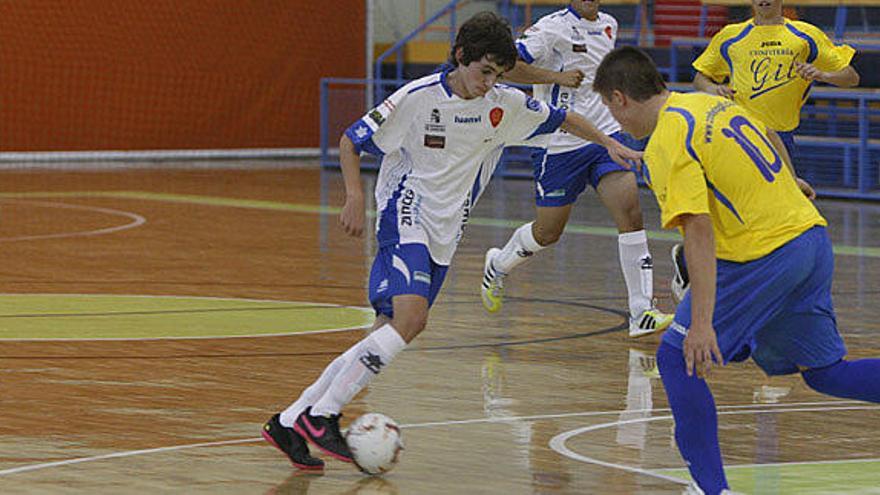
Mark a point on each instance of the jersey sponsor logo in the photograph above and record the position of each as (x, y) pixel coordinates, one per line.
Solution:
(406, 208)
(579, 48)
(770, 43)
(434, 141)
(377, 117)
(468, 120)
(434, 124)
(496, 114)
(768, 74)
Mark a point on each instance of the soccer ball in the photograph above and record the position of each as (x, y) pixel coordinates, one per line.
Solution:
(375, 442)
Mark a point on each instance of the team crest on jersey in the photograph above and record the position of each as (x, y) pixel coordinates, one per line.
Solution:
(496, 114)
(609, 32)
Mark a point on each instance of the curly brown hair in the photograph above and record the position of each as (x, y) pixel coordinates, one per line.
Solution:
(485, 34)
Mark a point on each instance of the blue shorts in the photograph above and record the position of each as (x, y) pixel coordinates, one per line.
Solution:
(777, 308)
(562, 177)
(403, 269)
(787, 138)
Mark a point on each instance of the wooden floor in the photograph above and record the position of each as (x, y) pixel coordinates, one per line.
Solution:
(547, 397)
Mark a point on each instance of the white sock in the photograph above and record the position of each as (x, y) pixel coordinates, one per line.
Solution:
(638, 270)
(363, 362)
(315, 390)
(519, 248)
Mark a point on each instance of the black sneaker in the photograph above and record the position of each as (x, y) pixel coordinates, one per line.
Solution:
(291, 443)
(323, 432)
(680, 280)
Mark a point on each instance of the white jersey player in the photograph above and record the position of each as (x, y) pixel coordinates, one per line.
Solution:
(559, 55)
(439, 138)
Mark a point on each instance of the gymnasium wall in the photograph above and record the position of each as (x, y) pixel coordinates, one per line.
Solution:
(171, 74)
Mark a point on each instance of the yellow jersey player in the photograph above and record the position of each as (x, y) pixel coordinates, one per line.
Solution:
(768, 64)
(759, 256)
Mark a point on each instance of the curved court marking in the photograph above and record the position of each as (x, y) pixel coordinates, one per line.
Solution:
(841, 250)
(136, 221)
(557, 443)
(749, 408)
(110, 319)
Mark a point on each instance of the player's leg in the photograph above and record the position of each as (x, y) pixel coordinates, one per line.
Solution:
(749, 296)
(805, 338)
(559, 179)
(619, 192)
(404, 282)
(696, 420)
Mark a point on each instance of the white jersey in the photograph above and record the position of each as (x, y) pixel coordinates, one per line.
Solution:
(563, 41)
(438, 153)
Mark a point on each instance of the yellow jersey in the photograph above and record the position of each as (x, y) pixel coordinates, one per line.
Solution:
(708, 155)
(759, 63)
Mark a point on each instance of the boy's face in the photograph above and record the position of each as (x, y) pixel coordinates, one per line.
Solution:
(767, 8)
(479, 76)
(587, 9)
(627, 111)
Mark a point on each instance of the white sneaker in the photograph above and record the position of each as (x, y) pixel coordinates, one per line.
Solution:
(648, 322)
(680, 280)
(693, 489)
(492, 290)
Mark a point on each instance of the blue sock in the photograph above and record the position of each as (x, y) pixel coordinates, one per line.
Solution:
(858, 379)
(696, 421)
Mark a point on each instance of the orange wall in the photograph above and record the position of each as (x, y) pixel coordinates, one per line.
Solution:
(170, 74)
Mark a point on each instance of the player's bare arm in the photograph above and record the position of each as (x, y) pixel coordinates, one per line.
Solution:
(584, 129)
(352, 217)
(777, 143)
(524, 73)
(847, 77)
(700, 345)
(707, 85)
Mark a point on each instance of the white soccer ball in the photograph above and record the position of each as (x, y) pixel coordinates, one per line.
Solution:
(375, 442)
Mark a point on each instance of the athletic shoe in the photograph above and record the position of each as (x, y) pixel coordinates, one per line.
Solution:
(680, 280)
(648, 322)
(323, 432)
(294, 446)
(492, 290)
(693, 489)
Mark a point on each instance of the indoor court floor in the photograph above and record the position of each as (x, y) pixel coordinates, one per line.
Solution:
(153, 319)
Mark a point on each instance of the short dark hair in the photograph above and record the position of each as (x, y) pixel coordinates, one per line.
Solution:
(485, 34)
(630, 71)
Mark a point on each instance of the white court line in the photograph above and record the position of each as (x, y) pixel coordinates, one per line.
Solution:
(137, 221)
(200, 337)
(557, 443)
(115, 455)
(131, 453)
